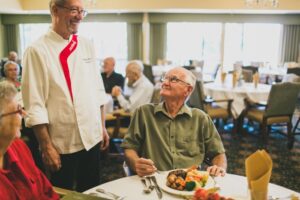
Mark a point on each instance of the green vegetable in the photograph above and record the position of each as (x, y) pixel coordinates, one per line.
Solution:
(189, 186)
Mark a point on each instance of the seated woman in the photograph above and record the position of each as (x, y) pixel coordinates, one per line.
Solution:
(11, 71)
(19, 176)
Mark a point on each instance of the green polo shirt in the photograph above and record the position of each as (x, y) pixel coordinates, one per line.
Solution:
(172, 143)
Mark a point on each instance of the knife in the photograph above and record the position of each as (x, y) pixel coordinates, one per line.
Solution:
(157, 189)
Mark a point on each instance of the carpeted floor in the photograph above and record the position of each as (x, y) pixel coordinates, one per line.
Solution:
(286, 163)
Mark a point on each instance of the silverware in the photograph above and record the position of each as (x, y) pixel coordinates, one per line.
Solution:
(114, 196)
(151, 186)
(147, 189)
(158, 191)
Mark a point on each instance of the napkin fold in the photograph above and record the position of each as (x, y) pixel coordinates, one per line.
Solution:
(223, 77)
(255, 79)
(258, 171)
(234, 78)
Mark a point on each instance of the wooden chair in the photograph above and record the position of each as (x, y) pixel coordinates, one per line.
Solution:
(278, 110)
(247, 75)
(209, 105)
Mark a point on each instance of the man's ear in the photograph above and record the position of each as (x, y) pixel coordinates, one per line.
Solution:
(189, 90)
(54, 10)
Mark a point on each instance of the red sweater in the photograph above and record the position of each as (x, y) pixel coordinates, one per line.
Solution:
(21, 179)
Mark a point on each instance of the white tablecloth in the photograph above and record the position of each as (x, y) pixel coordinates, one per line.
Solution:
(231, 186)
(218, 90)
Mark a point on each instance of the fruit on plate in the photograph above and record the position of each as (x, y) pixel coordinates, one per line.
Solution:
(202, 194)
(190, 179)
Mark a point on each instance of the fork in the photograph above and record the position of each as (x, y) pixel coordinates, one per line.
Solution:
(216, 185)
(114, 196)
(151, 186)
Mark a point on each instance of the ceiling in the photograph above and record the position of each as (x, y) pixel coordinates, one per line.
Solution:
(182, 6)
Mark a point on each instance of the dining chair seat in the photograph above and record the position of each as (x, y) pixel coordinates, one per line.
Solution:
(217, 112)
(258, 115)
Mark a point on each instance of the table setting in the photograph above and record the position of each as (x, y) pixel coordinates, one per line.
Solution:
(167, 185)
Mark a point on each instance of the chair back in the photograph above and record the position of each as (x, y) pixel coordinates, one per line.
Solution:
(247, 75)
(196, 98)
(254, 69)
(156, 98)
(282, 99)
(149, 73)
(295, 70)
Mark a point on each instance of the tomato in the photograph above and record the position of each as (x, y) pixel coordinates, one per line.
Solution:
(201, 193)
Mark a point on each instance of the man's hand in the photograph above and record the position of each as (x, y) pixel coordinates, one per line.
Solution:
(216, 171)
(51, 158)
(116, 91)
(144, 167)
(105, 141)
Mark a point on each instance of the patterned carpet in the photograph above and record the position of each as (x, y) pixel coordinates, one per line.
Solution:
(286, 163)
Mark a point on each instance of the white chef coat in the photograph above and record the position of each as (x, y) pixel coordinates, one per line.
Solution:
(75, 125)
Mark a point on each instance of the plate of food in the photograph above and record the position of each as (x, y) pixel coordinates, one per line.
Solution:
(184, 182)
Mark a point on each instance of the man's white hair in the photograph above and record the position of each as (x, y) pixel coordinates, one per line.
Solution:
(7, 94)
(136, 66)
(190, 78)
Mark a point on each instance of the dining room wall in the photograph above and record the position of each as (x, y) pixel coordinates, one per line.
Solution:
(2, 54)
(133, 5)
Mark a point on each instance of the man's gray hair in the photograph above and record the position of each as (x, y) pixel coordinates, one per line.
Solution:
(136, 66)
(9, 62)
(56, 2)
(190, 78)
(7, 94)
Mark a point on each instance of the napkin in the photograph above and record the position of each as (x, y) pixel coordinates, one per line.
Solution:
(234, 78)
(223, 77)
(258, 172)
(255, 79)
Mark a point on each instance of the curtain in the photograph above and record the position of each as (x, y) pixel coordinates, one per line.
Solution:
(158, 42)
(134, 41)
(11, 38)
(290, 43)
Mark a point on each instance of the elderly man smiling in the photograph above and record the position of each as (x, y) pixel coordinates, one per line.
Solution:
(171, 135)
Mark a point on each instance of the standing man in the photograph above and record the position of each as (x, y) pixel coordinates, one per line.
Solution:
(63, 93)
(109, 76)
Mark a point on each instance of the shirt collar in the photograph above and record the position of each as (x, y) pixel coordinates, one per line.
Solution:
(56, 36)
(136, 83)
(183, 110)
(11, 156)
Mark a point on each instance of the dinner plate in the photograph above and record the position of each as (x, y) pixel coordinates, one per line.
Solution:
(162, 180)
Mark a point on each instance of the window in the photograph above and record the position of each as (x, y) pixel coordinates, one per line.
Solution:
(110, 39)
(31, 32)
(252, 42)
(193, 41)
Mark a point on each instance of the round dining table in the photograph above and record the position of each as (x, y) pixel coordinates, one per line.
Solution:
(231, 185)
(217, 90)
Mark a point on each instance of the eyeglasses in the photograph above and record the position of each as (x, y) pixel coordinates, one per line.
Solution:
(75, 11)
(172, 79)
(19, 111)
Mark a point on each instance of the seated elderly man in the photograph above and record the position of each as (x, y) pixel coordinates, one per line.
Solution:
(142, 88)
(109, 76)
(172, 135)
(19, 177)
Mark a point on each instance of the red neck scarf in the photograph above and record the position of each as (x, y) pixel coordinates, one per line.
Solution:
(63, 57)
